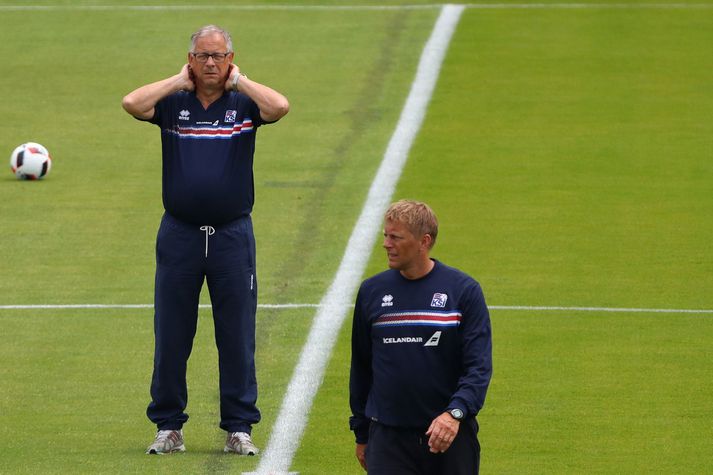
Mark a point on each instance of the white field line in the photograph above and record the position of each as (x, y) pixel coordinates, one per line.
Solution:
(287, 306)
(531, 308)
(307, 8)
(308, 373)
(285, 7)
(141, 305)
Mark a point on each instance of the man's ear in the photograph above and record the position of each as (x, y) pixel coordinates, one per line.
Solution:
(427, 241)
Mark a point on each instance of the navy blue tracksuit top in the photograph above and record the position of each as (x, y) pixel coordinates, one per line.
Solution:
(419, 347)
(208, 156)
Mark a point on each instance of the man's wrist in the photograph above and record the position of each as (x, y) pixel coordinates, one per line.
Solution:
(456, 413)
(236, 80)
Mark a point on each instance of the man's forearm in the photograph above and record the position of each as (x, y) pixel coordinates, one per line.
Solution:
(141, 102)
(271, 103)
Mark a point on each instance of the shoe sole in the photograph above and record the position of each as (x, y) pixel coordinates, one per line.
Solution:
(228, 450)
(180, 448)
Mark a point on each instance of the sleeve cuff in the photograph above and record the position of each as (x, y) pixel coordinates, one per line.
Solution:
(360, 428)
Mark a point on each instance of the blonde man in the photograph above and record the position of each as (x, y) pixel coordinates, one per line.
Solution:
(421, 356)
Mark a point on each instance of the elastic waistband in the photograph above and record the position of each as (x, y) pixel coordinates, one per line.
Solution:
(177, 223)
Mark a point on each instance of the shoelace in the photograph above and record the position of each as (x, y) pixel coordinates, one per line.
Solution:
(243, 437)
(162, 436)
(209, 231)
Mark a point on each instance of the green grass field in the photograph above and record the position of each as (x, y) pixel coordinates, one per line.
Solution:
(568, 154)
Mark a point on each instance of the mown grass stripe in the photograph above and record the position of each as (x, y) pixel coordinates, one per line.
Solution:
(287, 306)
(311, 8)
(292, 418)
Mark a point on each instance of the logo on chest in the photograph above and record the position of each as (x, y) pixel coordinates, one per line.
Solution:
(439, 300)
(387, 301)
(230, 116)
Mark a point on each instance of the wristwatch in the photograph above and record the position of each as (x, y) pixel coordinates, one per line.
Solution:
(456, 414)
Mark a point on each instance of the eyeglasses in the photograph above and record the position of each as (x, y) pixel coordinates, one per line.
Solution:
(217, 57)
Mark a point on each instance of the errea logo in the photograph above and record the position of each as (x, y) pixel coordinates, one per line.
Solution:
(184, 115)
(387, 301)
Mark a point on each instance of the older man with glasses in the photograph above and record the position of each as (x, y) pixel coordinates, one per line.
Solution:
(209, 114)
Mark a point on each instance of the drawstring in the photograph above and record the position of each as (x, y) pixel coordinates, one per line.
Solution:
(209, 231)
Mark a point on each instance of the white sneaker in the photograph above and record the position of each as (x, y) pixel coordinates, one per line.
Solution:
(240, 443)
(166, 442)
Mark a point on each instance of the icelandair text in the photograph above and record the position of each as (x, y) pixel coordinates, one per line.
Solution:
(404, 339)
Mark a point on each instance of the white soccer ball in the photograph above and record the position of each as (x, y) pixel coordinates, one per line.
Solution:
(30, 161)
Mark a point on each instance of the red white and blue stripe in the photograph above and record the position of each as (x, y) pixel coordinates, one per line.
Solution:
(213, 132)
(419, 318)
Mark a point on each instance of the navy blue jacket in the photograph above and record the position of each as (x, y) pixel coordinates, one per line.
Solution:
(419, 347)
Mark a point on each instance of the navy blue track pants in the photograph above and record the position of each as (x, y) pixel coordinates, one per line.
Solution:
(225, 257)
(396, 451)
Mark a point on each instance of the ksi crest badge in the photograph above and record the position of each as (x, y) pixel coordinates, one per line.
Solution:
(230, 116)
(439, 300)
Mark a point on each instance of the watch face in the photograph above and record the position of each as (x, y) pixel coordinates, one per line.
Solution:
(457, 414)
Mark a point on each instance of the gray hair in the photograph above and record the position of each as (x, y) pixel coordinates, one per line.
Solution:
(210, 30)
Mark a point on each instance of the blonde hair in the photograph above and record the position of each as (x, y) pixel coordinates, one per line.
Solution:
(418, 217)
